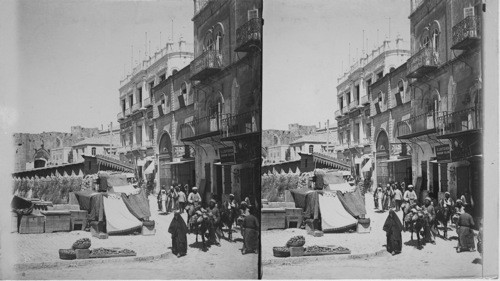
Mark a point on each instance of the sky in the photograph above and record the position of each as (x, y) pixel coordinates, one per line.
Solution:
(72, 54)
(305, 44)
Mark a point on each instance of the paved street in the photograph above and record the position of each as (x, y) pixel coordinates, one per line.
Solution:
(431, 261)
(217, 262)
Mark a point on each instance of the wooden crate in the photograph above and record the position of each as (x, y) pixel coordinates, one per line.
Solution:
(363, 228)
(78, 218)
(293, 219)
(273, 218)
(31, 224)
(147, 231)
(293, 211)
(57, 221)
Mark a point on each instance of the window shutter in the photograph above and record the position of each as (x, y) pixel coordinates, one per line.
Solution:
(253, 14)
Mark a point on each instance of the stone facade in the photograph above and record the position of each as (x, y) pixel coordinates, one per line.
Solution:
(446, 99)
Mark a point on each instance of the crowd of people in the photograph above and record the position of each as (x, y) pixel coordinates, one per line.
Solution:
(451, 212)
(175, 200)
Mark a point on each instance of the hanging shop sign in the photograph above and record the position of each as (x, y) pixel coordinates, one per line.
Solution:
(247, 150)
(226, 154)
(443, 152)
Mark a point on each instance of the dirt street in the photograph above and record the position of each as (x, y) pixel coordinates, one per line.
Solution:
(224, 262)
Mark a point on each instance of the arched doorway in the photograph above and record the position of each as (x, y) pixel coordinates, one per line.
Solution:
(164, 158)
(382, 155)
(41, 157)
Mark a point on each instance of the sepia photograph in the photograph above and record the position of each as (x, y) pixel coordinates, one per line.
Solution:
(374, 168)
(137, 140)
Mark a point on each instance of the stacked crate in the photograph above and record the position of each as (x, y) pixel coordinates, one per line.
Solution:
(31, 224)
(78, 218)
(293, 215)
(57, 221)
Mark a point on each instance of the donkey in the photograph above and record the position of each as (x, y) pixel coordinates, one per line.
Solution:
(228, 218)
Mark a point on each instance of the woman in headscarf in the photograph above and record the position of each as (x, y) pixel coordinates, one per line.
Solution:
(178, 229)
(393, 228)
(250, 228)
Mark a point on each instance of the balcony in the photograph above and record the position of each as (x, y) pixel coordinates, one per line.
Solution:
(364, 100)
(366, 141)
(423, 62)
(459, 122)
(147, 103)
(120, 116)
(467, 33)
(353, 105)
(338, 114)
(249, 35)
(128, 111)
(419, 125)
(136, 106)
(205, 65)
(241, 124)
(201, 128)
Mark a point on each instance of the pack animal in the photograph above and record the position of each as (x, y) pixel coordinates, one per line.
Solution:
(228, 218)
(415, 222)
(443, 216)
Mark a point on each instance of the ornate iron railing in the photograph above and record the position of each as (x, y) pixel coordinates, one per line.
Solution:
(353, 105)
(345, 109)
(364, 100)
(128, 111)
(248, 122)
(210, 59)
(465, 29)
(459, 121)
(249, 32)
(425, 57)
(201, 126)
(419, 123)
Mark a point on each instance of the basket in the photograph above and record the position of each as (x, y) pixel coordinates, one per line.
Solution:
(83, 243)
(280, 252)
(296, 244)
(67, 254)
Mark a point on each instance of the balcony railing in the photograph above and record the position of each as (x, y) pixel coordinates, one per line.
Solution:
(364, 100)
(248, 35)
(423, 62)
(136, 106)
(459, 121)
(128, 111)
(208, 63)
(338, 113)
(366, 141)
(345, 110)
(120, 116)
(147, 102)
(466, 33)
(419, 125)
(198, 128)
(244, 123)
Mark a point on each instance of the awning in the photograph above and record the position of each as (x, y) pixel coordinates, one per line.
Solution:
(394, 160)
(179, 162)
(130, 175)
(224, 164)
(367, 167)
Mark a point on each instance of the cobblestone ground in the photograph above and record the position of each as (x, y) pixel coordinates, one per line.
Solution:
(217, 262)
(431, 261)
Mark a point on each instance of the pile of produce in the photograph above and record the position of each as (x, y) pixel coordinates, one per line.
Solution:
(324, 250)
(83, 243)
(281, 252)
(296, 241)
(67, 254)
(104, 252)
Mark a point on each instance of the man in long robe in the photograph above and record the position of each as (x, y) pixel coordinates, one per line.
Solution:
(393, 228)
(465, 233)
(250, 227)
(178, 229)
(429, 225)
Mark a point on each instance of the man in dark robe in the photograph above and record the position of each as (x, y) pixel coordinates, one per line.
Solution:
(250, 227)
(465, 233)
(393, 228)
(178, 229)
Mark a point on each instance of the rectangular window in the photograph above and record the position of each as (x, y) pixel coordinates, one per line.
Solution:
(139, 95)
(368, 131)
(356, 88)
(123, 106)
(151, 132)
(130, 138)
(253, 14)
(139, 135)
(380, 75)
(348, 95)
(131, 100)
(151, 86)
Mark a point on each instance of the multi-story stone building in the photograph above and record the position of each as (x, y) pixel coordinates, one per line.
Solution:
(136, 100)
(353, 100)
(445, 124)
(226, 75)
(389, 104)
(174, 106)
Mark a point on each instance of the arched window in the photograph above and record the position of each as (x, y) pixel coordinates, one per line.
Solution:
(426, 42)
(174, 71)
(311, 148)
(93, 151)
(210, 44)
